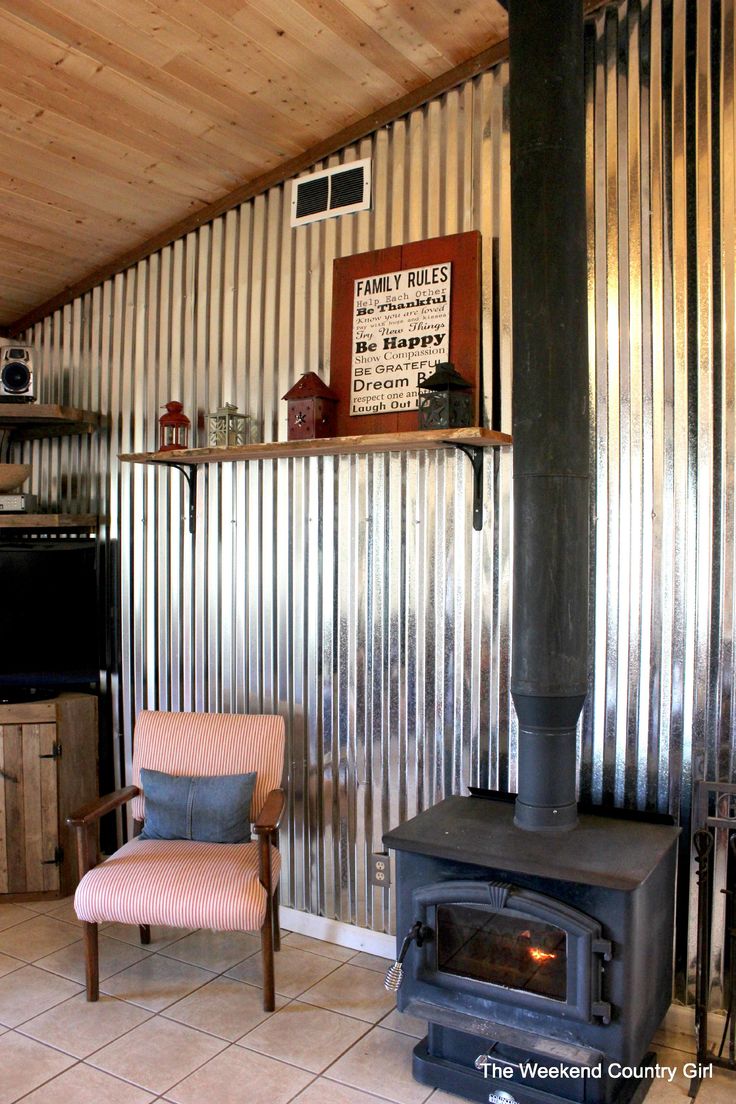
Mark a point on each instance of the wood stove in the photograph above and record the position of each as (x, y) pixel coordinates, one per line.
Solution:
(532, 955)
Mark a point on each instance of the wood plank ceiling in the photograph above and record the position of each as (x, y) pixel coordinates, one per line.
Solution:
(120, 119)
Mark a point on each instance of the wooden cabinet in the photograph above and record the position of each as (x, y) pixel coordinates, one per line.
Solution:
(48, 767)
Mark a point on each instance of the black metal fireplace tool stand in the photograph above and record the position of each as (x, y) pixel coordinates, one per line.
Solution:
(711, 799)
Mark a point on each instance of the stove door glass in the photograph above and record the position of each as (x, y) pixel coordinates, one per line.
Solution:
(493, 946)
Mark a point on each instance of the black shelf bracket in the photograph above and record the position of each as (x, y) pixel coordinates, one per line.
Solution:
(475, 455)
(189, 471)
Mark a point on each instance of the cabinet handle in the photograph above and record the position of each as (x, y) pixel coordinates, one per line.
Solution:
(58, 853)
(55, 753)
(8, 777)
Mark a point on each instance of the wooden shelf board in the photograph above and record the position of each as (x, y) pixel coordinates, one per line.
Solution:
(48, 521)
(328, 446)
(30, 421)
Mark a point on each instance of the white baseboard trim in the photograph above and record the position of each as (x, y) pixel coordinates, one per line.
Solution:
(337, 931)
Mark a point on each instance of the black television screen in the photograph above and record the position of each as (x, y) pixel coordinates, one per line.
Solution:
(49, 630)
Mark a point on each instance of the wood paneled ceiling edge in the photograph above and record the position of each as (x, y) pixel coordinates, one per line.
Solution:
(365, 126)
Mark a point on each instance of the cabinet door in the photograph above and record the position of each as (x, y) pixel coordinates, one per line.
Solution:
(29, 832)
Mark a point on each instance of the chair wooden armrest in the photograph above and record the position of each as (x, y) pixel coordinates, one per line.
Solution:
(85, 819)
(270, 815)
(93, 810)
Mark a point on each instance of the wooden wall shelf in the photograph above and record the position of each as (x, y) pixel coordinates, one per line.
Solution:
(32, 421)
(473, 437)
(36, 421)
(48, 521)
(472, 441)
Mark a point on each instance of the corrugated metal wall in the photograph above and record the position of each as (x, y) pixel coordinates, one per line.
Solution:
(351, 594)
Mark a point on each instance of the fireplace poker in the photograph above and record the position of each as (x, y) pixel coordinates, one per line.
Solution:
(703, 844)
(729, 1027)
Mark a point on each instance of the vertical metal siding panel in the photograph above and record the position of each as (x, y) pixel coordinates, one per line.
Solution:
(192, 389)
(251, 519)
(614, 744)
(227, 389)
(215, 562)
(381, 212)
(727, 720)
(706, 536)
(502, 727)
(635, 773)
(158, 360)
(707, 552)
(416, 583)
(326, 534)
(175, 488)
(145, 325)
(725, 433)
(682, 566)
(242, 369)
(590, 783)
(648, 764)
(659, 653)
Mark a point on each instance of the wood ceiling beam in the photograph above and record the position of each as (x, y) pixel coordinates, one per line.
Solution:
(346, 137)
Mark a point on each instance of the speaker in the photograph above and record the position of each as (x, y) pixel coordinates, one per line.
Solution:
(16, 374)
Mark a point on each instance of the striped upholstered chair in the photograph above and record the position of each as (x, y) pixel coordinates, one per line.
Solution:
(182, 882)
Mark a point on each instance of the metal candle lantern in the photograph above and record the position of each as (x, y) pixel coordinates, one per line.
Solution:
(445, 400)
(226, 427)
(311, 409)
(173, 428)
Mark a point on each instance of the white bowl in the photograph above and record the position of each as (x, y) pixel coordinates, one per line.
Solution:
(12, 475)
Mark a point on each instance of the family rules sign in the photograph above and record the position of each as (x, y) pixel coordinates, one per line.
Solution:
(396, 314)
(401, 331)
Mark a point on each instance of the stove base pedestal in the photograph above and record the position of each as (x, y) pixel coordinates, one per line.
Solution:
(456, 1077)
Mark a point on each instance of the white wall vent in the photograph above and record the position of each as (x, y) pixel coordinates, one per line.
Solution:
(330, 192)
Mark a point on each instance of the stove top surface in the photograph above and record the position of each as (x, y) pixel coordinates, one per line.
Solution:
(618, 854)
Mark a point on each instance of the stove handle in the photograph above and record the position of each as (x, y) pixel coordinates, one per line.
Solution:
(418, 933)
(600, 1008)
(484, 1059)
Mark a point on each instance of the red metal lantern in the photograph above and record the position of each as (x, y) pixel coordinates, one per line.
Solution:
(174, 428)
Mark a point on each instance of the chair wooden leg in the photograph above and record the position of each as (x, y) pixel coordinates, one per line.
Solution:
(269, 981)
(91, 961)
(276, 899)
(276, 925)
(145, 933)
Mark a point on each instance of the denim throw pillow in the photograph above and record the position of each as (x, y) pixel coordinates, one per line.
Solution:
(214, 809)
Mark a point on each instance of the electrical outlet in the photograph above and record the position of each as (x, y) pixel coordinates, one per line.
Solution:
(380, 869)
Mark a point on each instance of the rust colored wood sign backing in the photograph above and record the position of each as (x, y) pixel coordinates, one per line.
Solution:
(462, 251)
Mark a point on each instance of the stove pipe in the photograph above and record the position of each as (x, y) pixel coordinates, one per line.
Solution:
(550, 404)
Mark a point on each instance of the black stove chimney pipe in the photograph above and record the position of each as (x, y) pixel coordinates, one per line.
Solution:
(550, 404)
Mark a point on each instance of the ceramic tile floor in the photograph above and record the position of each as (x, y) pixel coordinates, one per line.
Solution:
(181, 1021)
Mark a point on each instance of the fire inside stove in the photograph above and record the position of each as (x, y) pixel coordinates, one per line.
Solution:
(486, 945)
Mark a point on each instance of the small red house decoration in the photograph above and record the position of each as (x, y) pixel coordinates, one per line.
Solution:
(311, 409)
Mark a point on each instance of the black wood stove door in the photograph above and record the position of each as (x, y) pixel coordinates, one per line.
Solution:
(495, 942)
